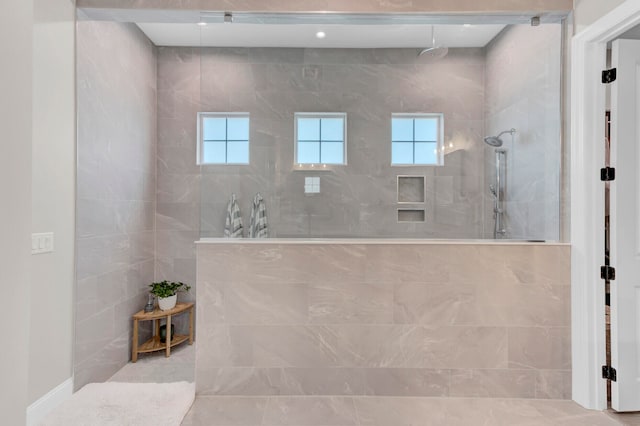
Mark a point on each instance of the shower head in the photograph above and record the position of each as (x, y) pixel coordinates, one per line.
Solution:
(495, 141)
(435, 51)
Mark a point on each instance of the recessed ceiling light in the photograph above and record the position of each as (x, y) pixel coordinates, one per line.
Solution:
(467, 25)
(321, 34)
(202, 24)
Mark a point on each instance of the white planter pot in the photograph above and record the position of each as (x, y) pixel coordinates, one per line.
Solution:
(166, 303)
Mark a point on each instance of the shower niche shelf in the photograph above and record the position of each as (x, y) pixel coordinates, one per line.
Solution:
(411, 189)
(411, 215)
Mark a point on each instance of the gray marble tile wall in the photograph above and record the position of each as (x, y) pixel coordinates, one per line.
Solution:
(383, 319)
(529, 101)
(178, 176)
(116, 74)
(357, 200)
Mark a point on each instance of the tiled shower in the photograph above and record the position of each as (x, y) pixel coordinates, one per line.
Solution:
(469, 87)
(332, 318)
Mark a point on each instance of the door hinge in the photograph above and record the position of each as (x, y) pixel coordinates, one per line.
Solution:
(608, 273)
(607, 299)
(607, 174)
(609, 76)
(609, 373)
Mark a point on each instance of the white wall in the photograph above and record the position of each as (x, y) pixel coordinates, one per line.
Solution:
(37, 164)
(53, 195)
(15, 218)
(589, 11)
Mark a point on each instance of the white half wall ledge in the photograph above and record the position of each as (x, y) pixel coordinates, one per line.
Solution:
(587, 201)
(37, 411)
(377, 6)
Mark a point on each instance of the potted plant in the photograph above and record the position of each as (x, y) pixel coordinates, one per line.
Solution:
(167, 293)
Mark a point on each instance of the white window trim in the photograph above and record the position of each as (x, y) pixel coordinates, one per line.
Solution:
(200, 142)
(439, 142)
(317, 166)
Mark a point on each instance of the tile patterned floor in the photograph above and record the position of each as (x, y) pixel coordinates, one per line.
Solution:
(387, 411)
(156, 368)
(360, 411)
(627, 419)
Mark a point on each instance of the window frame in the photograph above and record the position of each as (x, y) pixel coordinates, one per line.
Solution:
(439, 142)
(320, 115)
(200, 143)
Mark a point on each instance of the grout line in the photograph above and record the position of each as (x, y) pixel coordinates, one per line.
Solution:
(355, 409)
(264, 410)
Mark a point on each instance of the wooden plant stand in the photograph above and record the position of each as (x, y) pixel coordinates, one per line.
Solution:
(154, 343)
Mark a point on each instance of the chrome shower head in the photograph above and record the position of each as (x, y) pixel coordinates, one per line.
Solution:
(495, 141)
(435, 51)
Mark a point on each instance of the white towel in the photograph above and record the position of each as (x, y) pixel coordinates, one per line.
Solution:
(258, 227)
(233, 223)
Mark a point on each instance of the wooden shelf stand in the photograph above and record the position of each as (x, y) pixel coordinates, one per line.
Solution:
(154, 344)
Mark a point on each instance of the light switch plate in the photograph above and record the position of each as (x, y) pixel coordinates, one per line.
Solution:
(42, 243)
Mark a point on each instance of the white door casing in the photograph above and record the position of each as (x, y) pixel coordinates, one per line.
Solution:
(625, 225)
(588, 54)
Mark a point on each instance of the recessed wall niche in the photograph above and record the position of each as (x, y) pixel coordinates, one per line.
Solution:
(411, 189)
(411, 215)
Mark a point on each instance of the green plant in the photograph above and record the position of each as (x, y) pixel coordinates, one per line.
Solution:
(167, 289)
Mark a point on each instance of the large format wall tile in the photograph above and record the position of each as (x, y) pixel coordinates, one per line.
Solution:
(355, 201)
(256, 303)
(546, 348)
(493, 383)
(116, 193)
(529, 101)
(337, 302)
(272, 84)
(293, 319)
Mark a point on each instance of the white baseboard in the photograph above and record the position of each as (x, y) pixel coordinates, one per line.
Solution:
(37, 411)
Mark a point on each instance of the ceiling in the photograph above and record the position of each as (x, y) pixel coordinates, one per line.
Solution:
(304, 35)
(290, 29)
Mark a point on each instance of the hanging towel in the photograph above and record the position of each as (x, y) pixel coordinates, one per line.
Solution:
(233, 223)
(258, 227)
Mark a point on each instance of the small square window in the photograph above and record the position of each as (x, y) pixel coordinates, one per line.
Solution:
(223, 138)
(417, 139)
(321, 138)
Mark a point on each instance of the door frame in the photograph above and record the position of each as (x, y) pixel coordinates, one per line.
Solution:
(588, 59)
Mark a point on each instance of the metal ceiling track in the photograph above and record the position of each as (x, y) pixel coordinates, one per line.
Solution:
(324, 18)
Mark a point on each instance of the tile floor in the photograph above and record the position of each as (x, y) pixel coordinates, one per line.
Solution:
(155, 367)
(359, 411)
